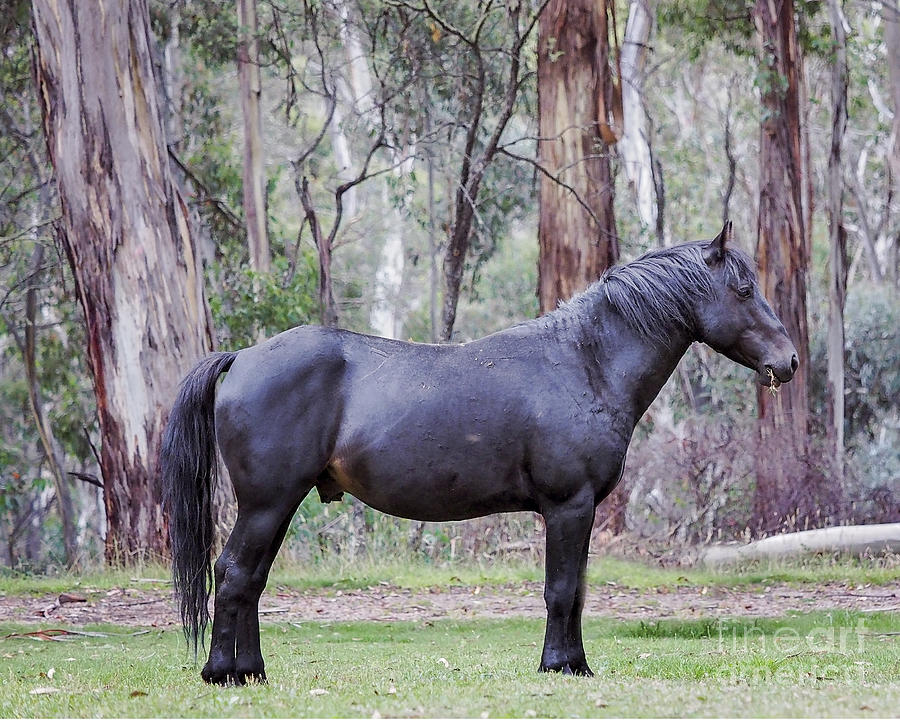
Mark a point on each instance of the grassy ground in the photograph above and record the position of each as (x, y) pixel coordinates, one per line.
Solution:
(416, 573)
(820, 664)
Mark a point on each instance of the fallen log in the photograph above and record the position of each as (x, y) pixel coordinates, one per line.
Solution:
(847, 539)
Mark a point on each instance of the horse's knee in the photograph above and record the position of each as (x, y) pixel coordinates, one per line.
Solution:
(560, 596)
(233, 583)
(219, 568)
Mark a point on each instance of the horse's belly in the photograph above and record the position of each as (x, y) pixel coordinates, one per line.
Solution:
(432, 494)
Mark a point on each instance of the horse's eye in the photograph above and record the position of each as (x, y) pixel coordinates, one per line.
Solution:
(745, 291)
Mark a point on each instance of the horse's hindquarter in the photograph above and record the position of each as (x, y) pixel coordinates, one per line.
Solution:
(278, 412)
(451, 432)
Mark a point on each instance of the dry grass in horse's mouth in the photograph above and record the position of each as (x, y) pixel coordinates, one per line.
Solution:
(774, 383)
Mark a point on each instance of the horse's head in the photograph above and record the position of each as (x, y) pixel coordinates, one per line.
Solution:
(737, 321)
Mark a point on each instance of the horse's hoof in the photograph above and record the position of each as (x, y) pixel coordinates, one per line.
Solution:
(219, 676)
(581, 668)
(554, 668)
(569, 668)
(252, 677)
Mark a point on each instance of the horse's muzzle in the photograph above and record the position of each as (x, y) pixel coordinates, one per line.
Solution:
(779, 371)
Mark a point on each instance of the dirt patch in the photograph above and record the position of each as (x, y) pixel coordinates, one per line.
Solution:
(156, 608)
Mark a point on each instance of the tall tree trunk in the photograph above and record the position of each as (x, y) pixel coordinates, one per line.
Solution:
(634, 144)
(576, 233)
(837, 257)
(577, 228)
(126, 234)
(254, 172)
(782, 258)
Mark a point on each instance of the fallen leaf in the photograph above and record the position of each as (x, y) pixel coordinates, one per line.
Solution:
(138, 693)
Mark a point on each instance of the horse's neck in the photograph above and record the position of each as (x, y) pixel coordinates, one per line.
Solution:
(623, 362)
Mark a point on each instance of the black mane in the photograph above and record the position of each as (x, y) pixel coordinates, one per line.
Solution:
(662, 287)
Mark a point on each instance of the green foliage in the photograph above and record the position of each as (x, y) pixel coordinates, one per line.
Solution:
(730, 23)
(700, 22)
(871, 390)
(872, 361)
(249, 304)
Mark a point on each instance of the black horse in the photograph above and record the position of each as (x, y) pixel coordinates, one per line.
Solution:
(537, 417)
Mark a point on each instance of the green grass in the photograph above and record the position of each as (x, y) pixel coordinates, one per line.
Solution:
(17, 583)
(602, 569)
(418, 573)
(820, 664)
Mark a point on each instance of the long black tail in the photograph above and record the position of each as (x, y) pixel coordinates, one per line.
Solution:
(189, 473)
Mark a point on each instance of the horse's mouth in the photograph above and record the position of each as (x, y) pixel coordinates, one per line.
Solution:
(769, 378)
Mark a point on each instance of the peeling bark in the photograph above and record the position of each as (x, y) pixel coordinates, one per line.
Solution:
(126, 234)
(577, 235)
(782, 257)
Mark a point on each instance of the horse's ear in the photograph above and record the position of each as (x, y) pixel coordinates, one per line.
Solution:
(715, 251)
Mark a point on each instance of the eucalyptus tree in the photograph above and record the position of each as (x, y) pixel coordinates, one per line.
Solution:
(126, 232)
(579, 111)
(783, 257)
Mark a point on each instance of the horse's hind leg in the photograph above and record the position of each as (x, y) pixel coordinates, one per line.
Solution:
(240, 575)
(249, 664)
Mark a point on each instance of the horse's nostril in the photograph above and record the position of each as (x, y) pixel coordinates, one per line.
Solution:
(795, 363)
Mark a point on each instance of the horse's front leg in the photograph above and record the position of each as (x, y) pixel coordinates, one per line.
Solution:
(568, 536)
(578, 663)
